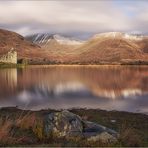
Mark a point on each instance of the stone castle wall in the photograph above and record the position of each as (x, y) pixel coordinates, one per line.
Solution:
(10, 57)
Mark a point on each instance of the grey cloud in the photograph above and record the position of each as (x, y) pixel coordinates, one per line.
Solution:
(78, 18)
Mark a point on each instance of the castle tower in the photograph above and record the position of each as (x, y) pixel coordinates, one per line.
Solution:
(10, 57)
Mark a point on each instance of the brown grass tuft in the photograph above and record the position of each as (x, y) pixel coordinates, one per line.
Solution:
(26, 122)
(5, 131)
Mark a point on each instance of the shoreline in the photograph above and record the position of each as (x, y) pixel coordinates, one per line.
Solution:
(131, 127)
(69, 65)
(73, 108)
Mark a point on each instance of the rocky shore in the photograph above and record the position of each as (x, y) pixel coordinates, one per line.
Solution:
(75, 127)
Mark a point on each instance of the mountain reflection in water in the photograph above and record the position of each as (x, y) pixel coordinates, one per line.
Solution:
(106, 87)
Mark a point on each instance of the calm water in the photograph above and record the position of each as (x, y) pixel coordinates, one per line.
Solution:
(105, 87)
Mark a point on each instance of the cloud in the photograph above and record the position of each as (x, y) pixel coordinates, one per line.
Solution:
(73, 17)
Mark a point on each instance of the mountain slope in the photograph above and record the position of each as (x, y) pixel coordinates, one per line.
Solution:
(46, 40)
(25, 49)
(42, 39)
(112, 47)
(58, 47)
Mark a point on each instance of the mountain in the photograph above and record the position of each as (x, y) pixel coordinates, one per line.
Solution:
(25, 49)
(42, 39)
(113, 47)
(58, 47)
(104, 48)
(55, 44)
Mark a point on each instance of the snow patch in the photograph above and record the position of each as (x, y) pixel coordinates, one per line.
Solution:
(65, 40)
(133, 37)
(119, 34)
(108, 34)
(46, 38)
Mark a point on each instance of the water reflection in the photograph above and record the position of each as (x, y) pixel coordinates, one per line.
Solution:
(105, 87)
(8, 81)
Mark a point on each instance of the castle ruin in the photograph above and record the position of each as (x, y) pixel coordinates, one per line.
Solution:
(10, 57)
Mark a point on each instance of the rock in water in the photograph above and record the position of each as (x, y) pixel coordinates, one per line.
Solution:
(67, 124)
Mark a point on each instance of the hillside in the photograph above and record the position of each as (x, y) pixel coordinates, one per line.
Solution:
(25, 49)
(112, 47)
(104, 48)
(59, 47)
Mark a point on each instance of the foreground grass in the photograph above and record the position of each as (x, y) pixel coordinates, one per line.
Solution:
(133, 127)
(24, 128)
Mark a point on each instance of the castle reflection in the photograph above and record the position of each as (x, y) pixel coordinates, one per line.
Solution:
(8, 81)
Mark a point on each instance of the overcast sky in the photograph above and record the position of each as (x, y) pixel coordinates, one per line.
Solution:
(80, 18)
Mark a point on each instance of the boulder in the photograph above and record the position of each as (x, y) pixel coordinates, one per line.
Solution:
(93, 129)
(63, 124)
(67, 124)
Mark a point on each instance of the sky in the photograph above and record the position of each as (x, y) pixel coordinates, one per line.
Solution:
(77, 18)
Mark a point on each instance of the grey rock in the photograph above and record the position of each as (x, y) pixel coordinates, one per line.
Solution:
(92, 129)
(63, 124)
(103, 137)
(67, 124)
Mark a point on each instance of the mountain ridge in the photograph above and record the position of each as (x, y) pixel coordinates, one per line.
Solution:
(104, 48)
(45, 38)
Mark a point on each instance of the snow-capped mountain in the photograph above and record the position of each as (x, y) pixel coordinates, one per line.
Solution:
(120, 35)
(46, 38)
(104, 48)
(110, 47)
